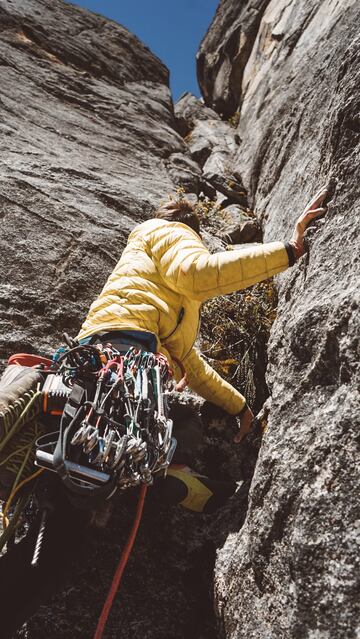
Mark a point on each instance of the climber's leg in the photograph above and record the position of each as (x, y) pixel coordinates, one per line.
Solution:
(188, 432)
(183, 485)
(194, 491)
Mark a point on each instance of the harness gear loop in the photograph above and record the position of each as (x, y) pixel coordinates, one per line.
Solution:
(115, 430)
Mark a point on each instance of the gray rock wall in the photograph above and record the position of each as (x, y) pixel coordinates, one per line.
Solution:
(224, 52)
(88, 148)
(292, 569)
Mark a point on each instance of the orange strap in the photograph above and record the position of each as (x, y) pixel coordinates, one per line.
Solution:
(28, 359)
(121, 566)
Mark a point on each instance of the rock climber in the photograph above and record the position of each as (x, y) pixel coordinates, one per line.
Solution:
(153, 299)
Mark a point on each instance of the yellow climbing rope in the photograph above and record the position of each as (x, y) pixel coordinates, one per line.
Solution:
(14, 492)
(23, 405)
(20, 428)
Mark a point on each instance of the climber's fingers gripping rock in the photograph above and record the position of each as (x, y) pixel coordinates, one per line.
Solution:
(246, 419)
(313, 210)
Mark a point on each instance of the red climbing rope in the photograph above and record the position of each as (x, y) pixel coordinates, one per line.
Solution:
(121, 566)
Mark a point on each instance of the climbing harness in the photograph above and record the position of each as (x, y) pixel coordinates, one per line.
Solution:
(115, 432)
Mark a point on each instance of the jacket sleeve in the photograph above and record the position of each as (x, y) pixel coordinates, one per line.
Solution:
(188, 268)
(206, 382)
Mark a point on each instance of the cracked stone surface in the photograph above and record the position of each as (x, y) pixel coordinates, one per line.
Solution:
(292, 570)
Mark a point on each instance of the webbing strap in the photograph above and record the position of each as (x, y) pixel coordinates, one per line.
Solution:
(59, 457)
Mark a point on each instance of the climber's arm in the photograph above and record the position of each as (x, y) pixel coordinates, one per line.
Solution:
(191, 270)
(205, 381)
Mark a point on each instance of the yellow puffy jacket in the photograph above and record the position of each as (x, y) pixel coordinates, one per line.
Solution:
(159, 284)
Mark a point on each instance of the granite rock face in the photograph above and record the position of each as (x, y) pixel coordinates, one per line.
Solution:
(88, 149)
(224, 52)
(292, 570)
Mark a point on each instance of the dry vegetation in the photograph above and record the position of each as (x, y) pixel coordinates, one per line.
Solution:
(234, 334)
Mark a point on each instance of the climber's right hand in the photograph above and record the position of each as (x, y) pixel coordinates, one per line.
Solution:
(313, 210)
(246, 419)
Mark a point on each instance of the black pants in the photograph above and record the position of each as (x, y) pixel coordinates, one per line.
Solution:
(24, 588)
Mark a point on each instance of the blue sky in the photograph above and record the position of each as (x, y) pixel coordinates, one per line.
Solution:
(172, 29)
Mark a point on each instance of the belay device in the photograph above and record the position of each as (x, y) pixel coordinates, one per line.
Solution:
(115, 431)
